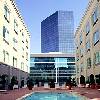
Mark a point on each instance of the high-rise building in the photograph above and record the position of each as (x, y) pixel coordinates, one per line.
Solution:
(57, 33)
(87, 37)
(14, 44)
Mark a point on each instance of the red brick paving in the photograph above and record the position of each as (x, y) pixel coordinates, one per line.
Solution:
(17, 93)
(88, 92)
(14, 94)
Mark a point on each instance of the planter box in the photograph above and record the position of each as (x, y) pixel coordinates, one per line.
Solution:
(92, 86)
(68, 87)
(30, 87)
(15, 87)
(52, 85)
(98, 86)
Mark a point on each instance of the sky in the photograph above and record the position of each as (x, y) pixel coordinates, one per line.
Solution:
(35, 11)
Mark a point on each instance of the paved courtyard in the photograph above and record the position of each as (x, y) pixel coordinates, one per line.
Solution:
(17, 93)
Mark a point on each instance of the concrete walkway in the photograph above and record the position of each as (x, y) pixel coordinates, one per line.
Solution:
(17, 93)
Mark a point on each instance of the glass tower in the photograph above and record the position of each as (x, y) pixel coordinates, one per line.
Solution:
(57, 33)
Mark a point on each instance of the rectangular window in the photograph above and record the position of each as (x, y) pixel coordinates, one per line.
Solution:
(87, 28)
(23, 37)
(81, 67)
(81, 52)
(76, 44)
(5, 56)
(96, 37)
(26, 56)
(15, 26)
(77, 69)
(27, 68)
(95, 16)
(97, 57)
(77, 55)
(14, 62)
(26, 44)
(81, 39)
(22, 51)
(89, 62)
(5, 34)
(22, 65)
(6, 13)
(22, 34)
(15, 43)
(88, 45)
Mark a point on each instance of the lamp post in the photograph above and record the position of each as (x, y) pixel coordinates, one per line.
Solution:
(56, 74)
(52, 73)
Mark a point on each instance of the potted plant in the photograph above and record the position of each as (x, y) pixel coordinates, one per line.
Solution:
(82, 81)
(92, 81)
(13, 82)
(98, 81)
(74, 82)
(3, 81)
(88, 83)
(68, 83)
(52, 83)
(30, 84)
(22, 83)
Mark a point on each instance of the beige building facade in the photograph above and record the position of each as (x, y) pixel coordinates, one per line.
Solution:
(14, 42)
(87, 39)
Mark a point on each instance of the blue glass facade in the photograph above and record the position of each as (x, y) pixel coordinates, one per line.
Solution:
(49, 67)
(57, 33)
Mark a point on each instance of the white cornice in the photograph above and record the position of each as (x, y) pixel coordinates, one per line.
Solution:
(84, 15)
(19, 14)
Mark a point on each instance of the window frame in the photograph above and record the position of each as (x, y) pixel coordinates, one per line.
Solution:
(88, 45)
(5, 34)
(96, 37)
(81, 38)
(87, 28)
(15, 26)
(95, 16)
(6, 13)
(15, 43)
(89, 62)
(14, 61)
(97, 57)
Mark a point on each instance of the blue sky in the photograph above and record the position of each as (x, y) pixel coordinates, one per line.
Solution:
(35, 11)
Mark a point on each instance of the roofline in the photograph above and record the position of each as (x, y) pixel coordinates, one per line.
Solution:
(55, 13)
(84, 16)
(19, 14)
(51, 55)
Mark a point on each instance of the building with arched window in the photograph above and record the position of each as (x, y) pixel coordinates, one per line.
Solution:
(87, 39)
(14, 43)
